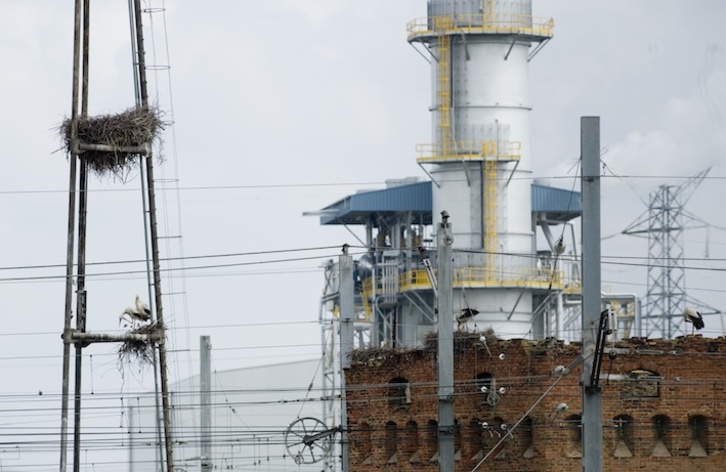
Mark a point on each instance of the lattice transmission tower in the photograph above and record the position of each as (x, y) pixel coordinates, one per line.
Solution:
(664, 222)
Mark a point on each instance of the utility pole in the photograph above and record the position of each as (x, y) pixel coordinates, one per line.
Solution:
(445, 343)
(75, 282)
(205, 402)
(346, 292)
(591, 291)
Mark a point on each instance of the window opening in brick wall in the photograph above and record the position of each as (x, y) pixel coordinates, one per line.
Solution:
(410, 443)
(699, 436)
(526, 438)
(642, 383)
(662, 432)
(573, 423)
(391, 443)
(364, 441)
(431, 443)
(486, 386)
(624, 440)
(473, 439)
(399, 393)
(499, 429)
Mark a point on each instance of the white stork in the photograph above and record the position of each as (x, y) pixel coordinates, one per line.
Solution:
(465, 315)
(143, 308)
(693, 316)
(134, 316)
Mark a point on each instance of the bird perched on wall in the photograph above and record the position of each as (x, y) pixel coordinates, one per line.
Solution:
(134, 316)
(142, 308)
(693, 316)
(465, 315)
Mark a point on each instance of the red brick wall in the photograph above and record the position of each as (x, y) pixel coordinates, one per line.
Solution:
(692, 382)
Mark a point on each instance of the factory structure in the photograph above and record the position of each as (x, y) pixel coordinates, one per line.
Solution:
(509, 271)
(517, 290)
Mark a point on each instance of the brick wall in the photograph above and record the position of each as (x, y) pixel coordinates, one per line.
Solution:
(664, 406)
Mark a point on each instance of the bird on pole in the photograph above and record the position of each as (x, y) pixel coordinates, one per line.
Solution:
(693, 316)
(134, 315)
(142, 308)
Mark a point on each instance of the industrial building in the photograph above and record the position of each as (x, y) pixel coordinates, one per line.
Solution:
(506, 225)
(517, 289)
(249, 411)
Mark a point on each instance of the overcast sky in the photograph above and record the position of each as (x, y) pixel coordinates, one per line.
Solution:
(286, 106)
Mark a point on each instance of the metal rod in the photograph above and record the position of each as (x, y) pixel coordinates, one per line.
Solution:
(71, 235)
(154, 245)
(82, 225)
(143, 149)
(149, 285)
(80, 310)
(591, 291)
(70, 244)
(205, 403)
(347, 312)
(445, 343)
(88, 338)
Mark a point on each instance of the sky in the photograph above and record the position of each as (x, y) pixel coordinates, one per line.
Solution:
(284, 107)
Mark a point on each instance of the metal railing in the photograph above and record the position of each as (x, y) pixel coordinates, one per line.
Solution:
(481, 23)
(469, 150)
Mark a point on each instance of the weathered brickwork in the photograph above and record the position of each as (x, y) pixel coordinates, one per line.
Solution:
(664, 406)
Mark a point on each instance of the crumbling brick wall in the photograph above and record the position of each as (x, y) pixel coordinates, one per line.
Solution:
(663, 406)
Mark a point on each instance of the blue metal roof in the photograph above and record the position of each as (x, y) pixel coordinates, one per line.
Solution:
(360, 207)
(555, 205)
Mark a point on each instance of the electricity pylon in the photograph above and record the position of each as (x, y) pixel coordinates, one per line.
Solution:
(664, 223)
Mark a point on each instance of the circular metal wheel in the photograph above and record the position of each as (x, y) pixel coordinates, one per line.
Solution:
(306, 440)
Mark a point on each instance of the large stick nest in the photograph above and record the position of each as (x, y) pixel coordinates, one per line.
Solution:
(140, 351)
(135, 127)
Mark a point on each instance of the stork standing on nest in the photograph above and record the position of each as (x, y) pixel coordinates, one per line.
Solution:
(465, 315)
(693, 316)
(142, 308)
(134, 315)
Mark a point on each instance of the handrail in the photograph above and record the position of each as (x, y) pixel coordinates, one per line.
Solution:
(481, 23)
(469, 150)
(482, 277)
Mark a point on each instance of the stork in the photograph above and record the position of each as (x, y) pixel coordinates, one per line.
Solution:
(134, 316)
(693, 316)
(142, 308)
(465, 315)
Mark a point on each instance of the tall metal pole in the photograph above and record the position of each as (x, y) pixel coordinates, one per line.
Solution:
(141, 67)
(71, 239)
(347, 307)
(149, 283)
(205, 402)
(591, 291)
(445, 343)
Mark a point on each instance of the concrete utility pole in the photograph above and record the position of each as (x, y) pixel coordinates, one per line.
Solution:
(205, 402)
(445, 343)
(591, 291)
(346, 292)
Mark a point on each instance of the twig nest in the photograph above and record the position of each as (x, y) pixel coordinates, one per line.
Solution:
(123, 135)
(140, 351)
